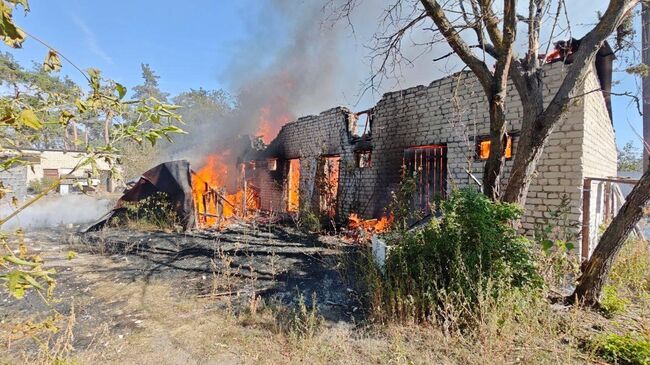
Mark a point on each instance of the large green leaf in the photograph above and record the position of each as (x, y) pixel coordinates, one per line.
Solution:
(29, 119)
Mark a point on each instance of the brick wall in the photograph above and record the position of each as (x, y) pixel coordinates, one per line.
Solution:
(600, 154)
(16, 180)
(451, 111)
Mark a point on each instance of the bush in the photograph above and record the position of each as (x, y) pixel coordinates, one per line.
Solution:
(39, 185)
(611, 302)
(469, 254)
(155, 210)
(309, 221)
(624, 349)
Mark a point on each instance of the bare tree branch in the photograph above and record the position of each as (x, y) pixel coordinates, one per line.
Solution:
(480, 69)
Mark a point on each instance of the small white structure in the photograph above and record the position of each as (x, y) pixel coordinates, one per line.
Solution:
(48, 165)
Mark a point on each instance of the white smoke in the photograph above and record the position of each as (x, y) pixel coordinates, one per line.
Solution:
(57, 211)
(294, 61)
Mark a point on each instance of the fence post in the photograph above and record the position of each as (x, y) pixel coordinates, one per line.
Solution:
(586, 218)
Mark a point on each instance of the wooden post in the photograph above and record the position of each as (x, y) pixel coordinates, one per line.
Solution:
(608, 194)
(245, 195)
(586, 218)
(205, 202)
(218, 207)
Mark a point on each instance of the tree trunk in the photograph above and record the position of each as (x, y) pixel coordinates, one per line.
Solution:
(74, 132)
(493, 170)
(599, 265)
(107, 127)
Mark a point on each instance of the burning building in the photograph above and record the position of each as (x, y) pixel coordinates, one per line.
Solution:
(344, 165)
(340, 162)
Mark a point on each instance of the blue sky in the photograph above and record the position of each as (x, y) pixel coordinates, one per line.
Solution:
(188, 45)
(199, 43)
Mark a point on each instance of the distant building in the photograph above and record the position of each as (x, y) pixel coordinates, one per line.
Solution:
(44, 166)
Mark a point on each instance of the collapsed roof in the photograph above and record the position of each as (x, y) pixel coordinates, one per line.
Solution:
(172, 178)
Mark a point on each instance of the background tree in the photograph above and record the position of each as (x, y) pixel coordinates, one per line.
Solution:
(630, 158)
(149, 88)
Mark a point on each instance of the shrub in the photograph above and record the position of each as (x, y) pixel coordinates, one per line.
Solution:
(472, 252)
(611, 302)
(624, 349)
(155, 210)
(37, 186)
(555, 239)
(309, 221)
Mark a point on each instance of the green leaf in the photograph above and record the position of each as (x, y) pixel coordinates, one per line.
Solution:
(81, 105)
(32, 281)
(17, 261)
(71, 255)
(52, 61)
(14, 286)
(94, 80)
(547, 245)
(29, 119)
(65, 117)
(121, 90)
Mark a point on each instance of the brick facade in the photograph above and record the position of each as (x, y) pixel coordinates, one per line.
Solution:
(450, 112)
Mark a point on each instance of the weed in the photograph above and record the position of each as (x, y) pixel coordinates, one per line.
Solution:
(555, 240)
(154, 211)
(309, 221)
(303, 321)
(626, 349)
(38, 186)
(401, 204)
(611, 303)
(631, 271)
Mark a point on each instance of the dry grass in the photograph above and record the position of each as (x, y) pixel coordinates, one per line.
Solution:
(149, 322)
(191, 330)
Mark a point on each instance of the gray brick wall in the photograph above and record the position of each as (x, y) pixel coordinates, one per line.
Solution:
(16, 180)
(451, 111)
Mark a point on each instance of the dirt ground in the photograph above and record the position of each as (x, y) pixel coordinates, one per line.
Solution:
(127, 284)
(234, 297)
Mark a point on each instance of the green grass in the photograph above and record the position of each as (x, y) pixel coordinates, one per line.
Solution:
(632, 349)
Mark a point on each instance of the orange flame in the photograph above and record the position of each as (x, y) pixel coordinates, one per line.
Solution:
(360, 226)
(293, 195)
(210, 192)
(271, 120)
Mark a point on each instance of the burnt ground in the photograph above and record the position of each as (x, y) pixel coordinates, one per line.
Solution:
(278, 263)
(225, 269)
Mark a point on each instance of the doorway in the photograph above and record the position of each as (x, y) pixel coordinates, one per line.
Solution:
(293, 186)
(328, 184)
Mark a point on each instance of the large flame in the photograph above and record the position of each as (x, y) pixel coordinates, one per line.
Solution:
(214, 203)
(271, 118)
